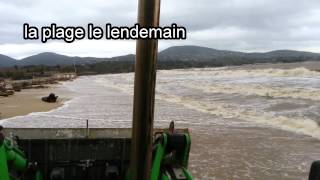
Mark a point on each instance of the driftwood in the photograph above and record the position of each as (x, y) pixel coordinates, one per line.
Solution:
(10, 92)
(6, 93)
(3, 93)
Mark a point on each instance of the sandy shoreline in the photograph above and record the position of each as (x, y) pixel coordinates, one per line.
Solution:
(29, 100)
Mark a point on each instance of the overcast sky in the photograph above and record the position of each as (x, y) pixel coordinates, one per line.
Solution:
(241, 25)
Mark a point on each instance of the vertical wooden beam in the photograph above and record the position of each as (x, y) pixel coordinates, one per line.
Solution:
(144, 93)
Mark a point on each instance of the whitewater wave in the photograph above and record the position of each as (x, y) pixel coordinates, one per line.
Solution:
(259, 90)
(224, 72)
(303, 126)
(227, 111)
(126, 88)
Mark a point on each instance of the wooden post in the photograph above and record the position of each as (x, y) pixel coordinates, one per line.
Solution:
(144, 93)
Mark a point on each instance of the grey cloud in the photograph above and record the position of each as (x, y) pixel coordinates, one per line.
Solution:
(247, 25)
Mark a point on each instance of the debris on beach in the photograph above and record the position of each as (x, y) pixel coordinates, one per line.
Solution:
(8, 86)
(3, 90)
(4, 94)
(52, 98)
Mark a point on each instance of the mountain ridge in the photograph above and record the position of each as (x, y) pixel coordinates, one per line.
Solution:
(175, 53)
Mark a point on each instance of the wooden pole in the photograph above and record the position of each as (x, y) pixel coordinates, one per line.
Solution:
(144, 93)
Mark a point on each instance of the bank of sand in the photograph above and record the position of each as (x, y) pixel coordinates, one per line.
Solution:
(29, 100)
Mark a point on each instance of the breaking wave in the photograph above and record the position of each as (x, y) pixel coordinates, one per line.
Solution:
(229, 72)
(259, 90)
(303, 126)
(188, 79)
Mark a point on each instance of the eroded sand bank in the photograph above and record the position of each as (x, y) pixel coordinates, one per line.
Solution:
(29, 101)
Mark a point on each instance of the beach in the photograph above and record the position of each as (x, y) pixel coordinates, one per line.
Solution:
(29, 100)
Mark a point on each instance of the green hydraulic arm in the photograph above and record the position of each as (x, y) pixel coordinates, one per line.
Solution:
(10, 154)
(171, 155)
(12, 158)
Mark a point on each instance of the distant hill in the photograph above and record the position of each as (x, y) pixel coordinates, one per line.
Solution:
(52, 59)
(6, 61)
(182, 54)
(197, 53)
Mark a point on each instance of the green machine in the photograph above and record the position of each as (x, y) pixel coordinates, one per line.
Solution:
(13, 162)
(171, 155)
(10, 156)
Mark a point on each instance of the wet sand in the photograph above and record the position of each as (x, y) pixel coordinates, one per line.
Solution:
(28, 101)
